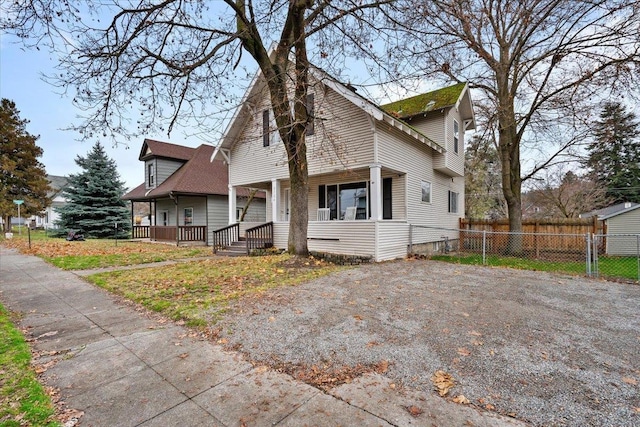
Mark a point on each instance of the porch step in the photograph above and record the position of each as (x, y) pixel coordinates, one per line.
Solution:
(236, 249)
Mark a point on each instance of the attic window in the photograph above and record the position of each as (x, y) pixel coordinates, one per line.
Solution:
(151, 174)
(456, 136)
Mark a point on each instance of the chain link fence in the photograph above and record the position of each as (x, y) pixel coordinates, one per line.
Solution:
(612, 256)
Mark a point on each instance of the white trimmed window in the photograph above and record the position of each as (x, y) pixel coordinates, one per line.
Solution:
(151, 174)
(456, 137)
(188, 216)
(426, 191)
(453, 202)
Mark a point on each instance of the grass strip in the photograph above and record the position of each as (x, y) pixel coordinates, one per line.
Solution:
(23, 400)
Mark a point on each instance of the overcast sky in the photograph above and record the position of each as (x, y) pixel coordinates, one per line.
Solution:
(49, 112)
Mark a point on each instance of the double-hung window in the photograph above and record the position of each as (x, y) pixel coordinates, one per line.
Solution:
(426, 191)
(453, 202)
(151, 175)
(188, 216)
(456, 137)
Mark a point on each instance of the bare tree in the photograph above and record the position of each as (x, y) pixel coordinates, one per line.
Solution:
(538, 63)
(564, 194)
(168, 61)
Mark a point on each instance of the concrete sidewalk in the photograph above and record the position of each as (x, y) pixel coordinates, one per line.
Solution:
(123, 368)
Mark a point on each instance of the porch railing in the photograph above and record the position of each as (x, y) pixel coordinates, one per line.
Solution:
(225, 236)
(140, 232)
(185, 233)
(192, 233)
(259, 237)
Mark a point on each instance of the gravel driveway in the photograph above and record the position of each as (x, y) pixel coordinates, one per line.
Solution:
(548, 349)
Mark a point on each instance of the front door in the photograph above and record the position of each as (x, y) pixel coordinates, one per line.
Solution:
(164, 218)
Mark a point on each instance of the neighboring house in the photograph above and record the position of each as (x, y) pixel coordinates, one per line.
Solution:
(373, 171)
(49, 218)
(187, 194)
(622, 227)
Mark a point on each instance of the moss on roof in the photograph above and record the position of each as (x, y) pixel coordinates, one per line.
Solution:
(429, 101)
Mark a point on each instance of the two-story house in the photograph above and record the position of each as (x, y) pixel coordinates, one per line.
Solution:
(184, 206)
(373, 170)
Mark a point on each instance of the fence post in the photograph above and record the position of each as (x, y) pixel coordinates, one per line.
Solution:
(594, 255)
(638, 253)
(484, 247)
(588, 255)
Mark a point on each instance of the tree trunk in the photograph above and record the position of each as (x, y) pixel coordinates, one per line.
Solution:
(509, 148)
(7, 224)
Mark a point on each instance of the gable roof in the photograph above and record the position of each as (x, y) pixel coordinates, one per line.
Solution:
(610, 211)
(430, 101)
(152, 148)
(56, 184)
(241, 114)
(198, 176)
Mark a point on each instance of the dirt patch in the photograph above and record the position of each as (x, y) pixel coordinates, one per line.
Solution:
(549, 349)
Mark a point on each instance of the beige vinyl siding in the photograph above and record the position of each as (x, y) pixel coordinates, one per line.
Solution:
(402, 153)
(342, 237)
(432, 125)
(627, 223)
(393, 239)
(342, 139)
(164, 169)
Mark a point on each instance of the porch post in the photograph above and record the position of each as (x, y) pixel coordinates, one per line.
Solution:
(177, 222)
(375, 178)
(275, 199)
(133, 220)
(232, 204)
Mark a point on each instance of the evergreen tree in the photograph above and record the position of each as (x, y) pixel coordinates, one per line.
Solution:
(614, 155)
(22, 176)
(94, 198)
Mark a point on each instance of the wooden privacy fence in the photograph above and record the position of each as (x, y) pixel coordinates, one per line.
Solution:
(541, 236)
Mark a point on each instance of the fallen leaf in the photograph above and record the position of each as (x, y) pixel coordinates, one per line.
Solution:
(629, 380)
(443, 382)
(414, 410)
(477, 342)
(462, 351)
(461, 399)
(357, 317)
(183, 355)
(392, 386)
(272, 319)
(222, 341)
(465, 314)
(475, 333)
(489, 406)
(636, 410)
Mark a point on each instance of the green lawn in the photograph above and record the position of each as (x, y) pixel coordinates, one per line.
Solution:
(23, 400)
(612, 267)
(197, 292)
(98, 253)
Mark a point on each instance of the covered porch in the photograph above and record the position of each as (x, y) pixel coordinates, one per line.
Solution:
(180, 220)
(360, 212)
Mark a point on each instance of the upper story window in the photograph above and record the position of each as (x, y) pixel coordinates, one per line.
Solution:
(151, 178)
(270, 135)
(456, 137)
